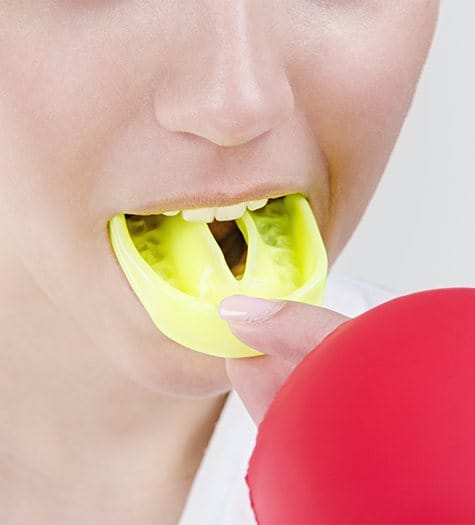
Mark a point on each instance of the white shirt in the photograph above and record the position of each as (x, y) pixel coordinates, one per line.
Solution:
(219, 494)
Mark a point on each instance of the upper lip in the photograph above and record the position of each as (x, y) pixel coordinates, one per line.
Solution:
(211, 199)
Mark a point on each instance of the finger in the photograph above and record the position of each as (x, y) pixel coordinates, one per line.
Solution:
(285, 329)
(257, 380)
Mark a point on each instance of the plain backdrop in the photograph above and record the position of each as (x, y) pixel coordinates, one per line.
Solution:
(419, 229)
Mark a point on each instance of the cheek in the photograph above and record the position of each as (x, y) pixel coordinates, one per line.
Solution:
(62, 100)
(65, 94)
(356, 84)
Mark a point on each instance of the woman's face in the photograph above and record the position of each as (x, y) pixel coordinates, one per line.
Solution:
(110, 106)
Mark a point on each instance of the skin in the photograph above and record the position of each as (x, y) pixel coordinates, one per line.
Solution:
(128, 106)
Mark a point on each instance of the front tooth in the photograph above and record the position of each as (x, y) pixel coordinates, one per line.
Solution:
(255, 205)
(171, 213)
(230, 213)
(199, 215)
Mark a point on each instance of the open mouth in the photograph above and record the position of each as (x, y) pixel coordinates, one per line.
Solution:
(232, 244)
(145, 235)
(181, 264)
(187, 253)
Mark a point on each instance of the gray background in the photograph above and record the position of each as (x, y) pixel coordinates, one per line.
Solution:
(419, 229)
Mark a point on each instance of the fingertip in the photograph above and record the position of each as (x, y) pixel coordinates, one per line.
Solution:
(247, 309)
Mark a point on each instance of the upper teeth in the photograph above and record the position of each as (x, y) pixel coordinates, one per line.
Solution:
(221, 213)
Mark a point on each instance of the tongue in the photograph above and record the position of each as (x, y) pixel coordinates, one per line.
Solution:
(221, 229)
(232, 244)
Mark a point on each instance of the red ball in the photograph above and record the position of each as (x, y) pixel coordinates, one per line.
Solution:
(377, 423)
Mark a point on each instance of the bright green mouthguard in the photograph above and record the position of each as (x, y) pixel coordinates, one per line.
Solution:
(180, 274)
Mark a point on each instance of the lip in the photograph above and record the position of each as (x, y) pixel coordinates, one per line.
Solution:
(211, 199)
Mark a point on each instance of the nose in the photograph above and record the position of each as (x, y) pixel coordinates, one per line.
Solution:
(229, 85)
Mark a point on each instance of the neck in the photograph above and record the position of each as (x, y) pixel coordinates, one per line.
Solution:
(64, 408)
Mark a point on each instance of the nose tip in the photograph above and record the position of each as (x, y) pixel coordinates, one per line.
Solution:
(229, 117)
(237, 118)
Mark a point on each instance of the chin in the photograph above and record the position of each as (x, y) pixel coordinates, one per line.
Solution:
(168, 368)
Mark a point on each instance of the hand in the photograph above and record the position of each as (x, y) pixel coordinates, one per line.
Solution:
(285, 330)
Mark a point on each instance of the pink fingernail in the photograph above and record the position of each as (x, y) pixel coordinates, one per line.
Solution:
(243, 308)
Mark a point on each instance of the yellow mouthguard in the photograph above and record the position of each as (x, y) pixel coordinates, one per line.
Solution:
(179, 273)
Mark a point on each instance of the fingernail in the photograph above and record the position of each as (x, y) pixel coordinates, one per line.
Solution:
(243, 308)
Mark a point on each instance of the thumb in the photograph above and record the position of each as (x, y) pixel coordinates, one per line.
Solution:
(285, 331)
